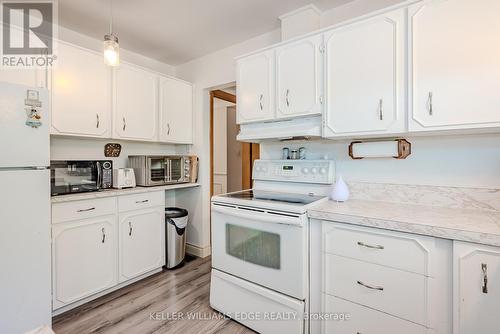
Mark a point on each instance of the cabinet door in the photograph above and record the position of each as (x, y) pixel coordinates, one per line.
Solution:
(255, 88)
(365, 77)
(476, 299)
(135, 104)
(176, 111)
(141, 242)
(299, 78)
(455, 64)
(84, 259)
(81, 93)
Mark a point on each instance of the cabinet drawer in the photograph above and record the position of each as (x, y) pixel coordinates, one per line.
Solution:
(398, 250)
(389, 290)
(364, 320)
(68, 211)
(141, 201)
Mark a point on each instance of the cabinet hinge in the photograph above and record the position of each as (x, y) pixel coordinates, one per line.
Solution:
(322, 48)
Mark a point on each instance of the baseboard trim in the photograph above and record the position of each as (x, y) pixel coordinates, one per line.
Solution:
(198, 251)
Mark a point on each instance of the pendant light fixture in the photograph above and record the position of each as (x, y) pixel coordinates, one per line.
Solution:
(111, 46)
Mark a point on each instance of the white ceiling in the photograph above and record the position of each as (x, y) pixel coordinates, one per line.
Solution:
(175, 32)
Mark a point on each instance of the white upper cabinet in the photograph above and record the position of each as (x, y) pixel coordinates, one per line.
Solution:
(135, 104)
(476, 289)
(365, 77)
(299, 78)
(255, 91)
(81, 93)
(455, 64)
(176, 111)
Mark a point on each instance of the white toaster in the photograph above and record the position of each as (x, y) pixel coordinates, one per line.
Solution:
(123, 178)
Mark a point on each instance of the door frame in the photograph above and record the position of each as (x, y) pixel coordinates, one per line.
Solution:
(216, 94)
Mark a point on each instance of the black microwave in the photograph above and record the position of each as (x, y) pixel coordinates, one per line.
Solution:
(79, 176)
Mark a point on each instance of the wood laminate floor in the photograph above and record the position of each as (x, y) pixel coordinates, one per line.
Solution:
(149, 306)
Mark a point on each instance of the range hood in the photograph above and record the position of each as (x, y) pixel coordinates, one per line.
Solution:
(289, 129)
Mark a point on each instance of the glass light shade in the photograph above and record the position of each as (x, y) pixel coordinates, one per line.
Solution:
(111, 50)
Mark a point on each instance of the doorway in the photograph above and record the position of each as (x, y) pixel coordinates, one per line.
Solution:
(231, 161)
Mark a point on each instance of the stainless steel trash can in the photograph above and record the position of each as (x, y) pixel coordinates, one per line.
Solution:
(176, 220)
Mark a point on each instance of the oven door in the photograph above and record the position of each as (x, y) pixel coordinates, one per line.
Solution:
(156, 171)
(266, 248)
(176, 172)
(68, 177)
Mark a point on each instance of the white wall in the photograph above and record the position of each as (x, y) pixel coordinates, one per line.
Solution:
(218, 69)
(457, 161)
(67, 148)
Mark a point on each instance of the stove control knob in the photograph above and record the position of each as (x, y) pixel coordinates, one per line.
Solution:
(322, 171)
(314, 170)
(305, 170)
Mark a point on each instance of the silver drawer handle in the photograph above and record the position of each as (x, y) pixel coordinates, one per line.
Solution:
(379, 288)
(431, 106)
(362, 244)
(381, 109)
(85, 210)
(145, 201)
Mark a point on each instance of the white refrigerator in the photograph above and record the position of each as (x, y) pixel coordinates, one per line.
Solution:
(25, 233)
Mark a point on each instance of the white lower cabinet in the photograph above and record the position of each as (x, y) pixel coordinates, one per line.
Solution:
(97, 247)
(357, 319)
(141, 242)
(388, 282)
(476, 289)
(84, 259)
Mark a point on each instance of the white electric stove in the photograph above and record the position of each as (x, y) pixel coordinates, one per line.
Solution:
(260, 245)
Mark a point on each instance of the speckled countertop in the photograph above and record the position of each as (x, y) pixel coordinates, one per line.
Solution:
(465, 224)
(119, 192)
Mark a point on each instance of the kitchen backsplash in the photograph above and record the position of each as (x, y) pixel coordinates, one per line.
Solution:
(93, 149)
(471, 161)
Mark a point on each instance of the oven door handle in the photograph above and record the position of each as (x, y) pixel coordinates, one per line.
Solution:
(275, 218)
(99, 176)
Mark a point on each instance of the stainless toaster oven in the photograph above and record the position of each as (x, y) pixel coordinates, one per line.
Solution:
(155, 170)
